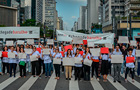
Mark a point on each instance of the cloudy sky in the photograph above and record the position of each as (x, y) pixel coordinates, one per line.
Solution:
(68, 9)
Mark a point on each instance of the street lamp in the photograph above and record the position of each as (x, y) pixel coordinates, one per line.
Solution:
(44, 31)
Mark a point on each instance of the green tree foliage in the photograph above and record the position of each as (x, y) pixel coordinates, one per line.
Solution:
(2, 26)
(29, 22)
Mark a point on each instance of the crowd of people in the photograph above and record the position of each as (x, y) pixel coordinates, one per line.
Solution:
(101, 65)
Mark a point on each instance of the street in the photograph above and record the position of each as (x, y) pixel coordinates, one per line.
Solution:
(42, 83)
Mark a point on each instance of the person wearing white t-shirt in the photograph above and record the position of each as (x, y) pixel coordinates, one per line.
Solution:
(35, 64)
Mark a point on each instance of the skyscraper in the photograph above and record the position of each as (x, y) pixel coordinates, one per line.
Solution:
(82, 17)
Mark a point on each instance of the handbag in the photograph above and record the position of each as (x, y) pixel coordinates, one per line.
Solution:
(22, 63)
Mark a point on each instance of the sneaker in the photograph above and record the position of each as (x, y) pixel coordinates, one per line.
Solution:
(66, 78)
(91, 78)
(119, 81)
(69, 78)
(98, 79)
(126, 80)
(114, 81)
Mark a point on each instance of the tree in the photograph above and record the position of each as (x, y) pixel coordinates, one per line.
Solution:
(2, 26)
(29, 22)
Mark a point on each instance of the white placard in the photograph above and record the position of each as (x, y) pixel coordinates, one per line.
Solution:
(22, 56)
(87, 62)
(0, 53)
(78, 60)
(77, 40)
(46, 51)
(137, 53)
(50, 42)
(56, 61)
(33, 58)
(68, 62)
(117, 59)
(95, 51)
(90, 44)
(133, 43)
(28, 51)
(123, 39)
(9, 43)
(30, 41)
(109, 45)
(11, 55)
(20, 42)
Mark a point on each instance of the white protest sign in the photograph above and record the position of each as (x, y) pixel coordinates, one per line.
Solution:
(137, 53)
(50, 41)
(0, 53)
(11, 55)
(22, 56)
(87, 62)
(123, 39)
(28, 51)
(9, 43)
(56, 61)
(33, 58)
(77, 40)
(133, 43)
(90, 44)
(68, 62)
(95, 51)
(20, 42)
(46, 51)
(30, 41)
(109, 45)
(116, 58)
(78, 60)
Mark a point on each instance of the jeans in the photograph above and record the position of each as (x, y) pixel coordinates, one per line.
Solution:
(51, 65)
(132, 71)
(78, 71)
(47, 68)
(22, 69)
(5, 65)
(57, 70)
(13, 67)
(86, 73)
(29, 66)
(95, 66)
(35, 68)
(122, 68)
(0, 66)
(117, 70)
(138, 70)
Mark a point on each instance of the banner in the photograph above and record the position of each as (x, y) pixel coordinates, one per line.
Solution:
(19, 32)
(63, 35)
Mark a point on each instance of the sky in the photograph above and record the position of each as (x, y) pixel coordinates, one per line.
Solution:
(68, 9)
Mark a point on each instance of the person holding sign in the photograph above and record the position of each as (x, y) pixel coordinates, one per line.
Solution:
(68, 69)
(12, 61)
(87, 55)
(104, 67)
(57, 55)
(5, 60)
(22, 64)
(47, 62)
(78, 67)
(130, 59)
(117, 66)
(35, 64)
(95, 65)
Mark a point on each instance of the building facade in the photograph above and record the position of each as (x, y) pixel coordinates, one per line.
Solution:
(5, 2)
(82, 17)
(8, 16)
(27, 12)
(60, 23)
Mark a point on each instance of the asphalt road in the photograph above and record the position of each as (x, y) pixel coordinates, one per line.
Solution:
(37, 83)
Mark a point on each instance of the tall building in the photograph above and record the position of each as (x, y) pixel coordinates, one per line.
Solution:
(93, 12)
(108, 5)
(82, 17)
(132, 6)
(27, 12)
(51, 14)
(8, 16)
(38, 10)
(61, 23)
(86, 18)
(14, 3)
(5, 2)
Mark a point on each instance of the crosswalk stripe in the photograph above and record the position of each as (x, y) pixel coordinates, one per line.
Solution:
(51, 83)
(28, 83)
(137, 84)
(8, 81)
(73, 85)
(96, 85)
(117, 85)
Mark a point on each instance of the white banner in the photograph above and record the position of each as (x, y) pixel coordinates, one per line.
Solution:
(103, 38)
(19, 32)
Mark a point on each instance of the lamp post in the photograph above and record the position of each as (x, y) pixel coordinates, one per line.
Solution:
(44, 31)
